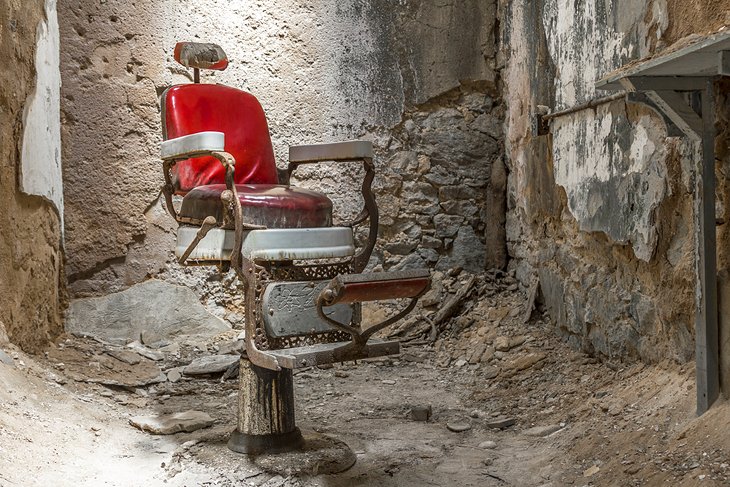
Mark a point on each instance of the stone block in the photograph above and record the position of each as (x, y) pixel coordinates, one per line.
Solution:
(447, 225)
(166, 310)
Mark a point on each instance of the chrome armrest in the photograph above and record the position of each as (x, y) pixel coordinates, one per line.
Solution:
(193, 145)
(352, 150)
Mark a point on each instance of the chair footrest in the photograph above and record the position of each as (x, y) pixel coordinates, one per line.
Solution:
(327, 353)
(376, 286)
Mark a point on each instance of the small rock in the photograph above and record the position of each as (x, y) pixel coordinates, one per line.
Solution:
(432, 297)
(421, 413)
(172, 349)
(168, 424)
(341, 374)
(233, 347)
(174, 375)
(474, 413)
(460, 363)
(487, 355)
(458, 426)
(388, 382)
(501, 423)
(6, 359)
(126, 356)
(589, 472)
(539, 431)
(488, 445)
(501, 344)
(210, 364)
(409, 357)
(146, 352)
(455, 271)
(526, 361)
(490, 372)
(152, 339)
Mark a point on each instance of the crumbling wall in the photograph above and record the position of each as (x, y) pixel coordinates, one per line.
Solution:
(600, 209)
(31, 258)
(417, 78)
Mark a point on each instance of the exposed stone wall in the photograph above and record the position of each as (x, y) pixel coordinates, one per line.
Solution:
(31, 258)
(415, 77)
(600, 210)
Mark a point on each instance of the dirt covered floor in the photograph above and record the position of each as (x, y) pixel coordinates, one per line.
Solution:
(511, 405)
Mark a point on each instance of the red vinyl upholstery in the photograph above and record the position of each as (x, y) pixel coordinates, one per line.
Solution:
(274, 206)
(193, 108)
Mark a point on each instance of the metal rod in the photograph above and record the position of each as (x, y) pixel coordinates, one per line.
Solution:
(706, 330)
(584, 106)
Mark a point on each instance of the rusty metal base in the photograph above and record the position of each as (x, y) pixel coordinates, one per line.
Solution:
(258, 444)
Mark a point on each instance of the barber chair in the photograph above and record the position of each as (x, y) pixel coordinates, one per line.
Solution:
(302, 274)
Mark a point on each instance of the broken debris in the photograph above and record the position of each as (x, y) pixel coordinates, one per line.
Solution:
(458, 426)
(421, 413)
(169, 424)
(211, 364)
(501, 423)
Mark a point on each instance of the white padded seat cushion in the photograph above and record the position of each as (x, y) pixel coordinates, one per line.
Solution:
(271, 244)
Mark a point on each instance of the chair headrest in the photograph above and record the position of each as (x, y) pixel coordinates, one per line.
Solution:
(201, 55)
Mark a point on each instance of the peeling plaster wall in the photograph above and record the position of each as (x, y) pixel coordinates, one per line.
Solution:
(600, 210)
(31, 258)
(41, 147)
(417, 78)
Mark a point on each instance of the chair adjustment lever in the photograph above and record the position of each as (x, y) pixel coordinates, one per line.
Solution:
(207, 225)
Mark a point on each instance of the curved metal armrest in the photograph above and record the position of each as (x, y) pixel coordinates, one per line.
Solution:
(350, 151)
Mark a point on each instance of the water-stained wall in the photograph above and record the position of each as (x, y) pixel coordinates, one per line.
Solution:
(600, 209)
(417, 78)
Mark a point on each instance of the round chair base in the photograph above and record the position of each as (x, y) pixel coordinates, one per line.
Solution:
(317, 455)
(258, 444)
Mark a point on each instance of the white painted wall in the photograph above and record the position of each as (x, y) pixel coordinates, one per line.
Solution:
(41, 151)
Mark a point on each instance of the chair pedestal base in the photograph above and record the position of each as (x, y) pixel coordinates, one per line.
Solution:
(266, 421)
(261, 444)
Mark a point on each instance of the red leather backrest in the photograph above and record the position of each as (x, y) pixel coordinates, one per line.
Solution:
(192, 108)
